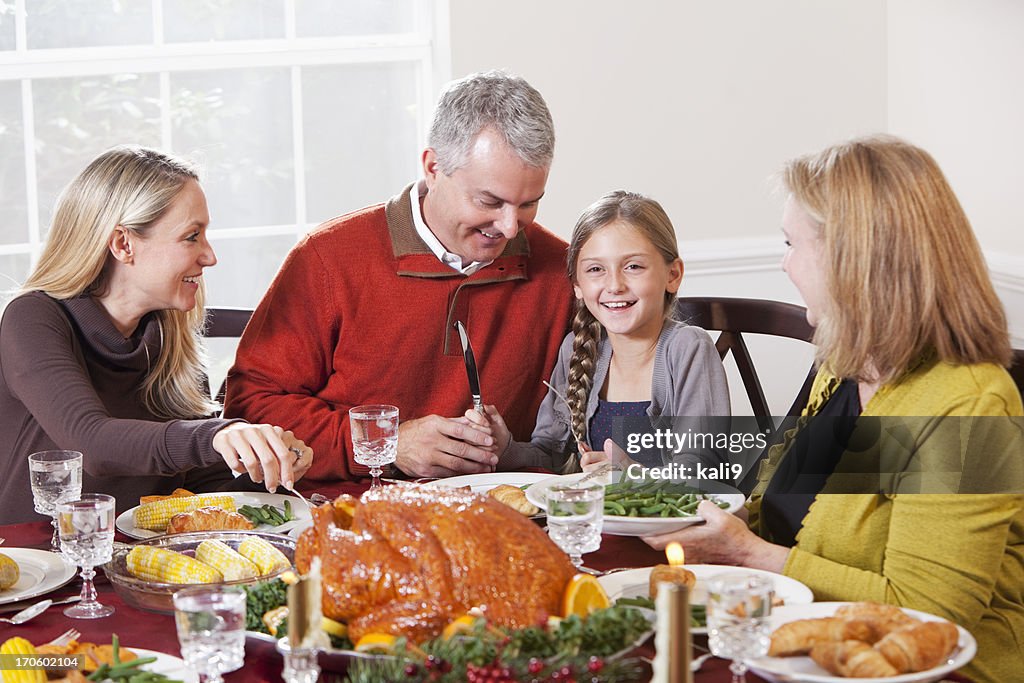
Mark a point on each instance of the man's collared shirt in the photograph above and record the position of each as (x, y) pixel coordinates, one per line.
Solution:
(419, 189)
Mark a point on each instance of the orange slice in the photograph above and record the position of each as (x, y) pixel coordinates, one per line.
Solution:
(377, 643)
(583, 595)
(463, 624)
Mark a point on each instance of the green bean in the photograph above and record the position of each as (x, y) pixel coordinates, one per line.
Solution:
(613, 508)
(652, 510)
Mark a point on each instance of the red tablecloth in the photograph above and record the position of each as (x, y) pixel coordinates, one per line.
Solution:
(156, 631)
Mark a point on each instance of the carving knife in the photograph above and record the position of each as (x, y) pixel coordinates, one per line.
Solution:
(471, 372)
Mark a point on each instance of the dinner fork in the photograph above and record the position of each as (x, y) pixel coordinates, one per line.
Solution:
(65, 638)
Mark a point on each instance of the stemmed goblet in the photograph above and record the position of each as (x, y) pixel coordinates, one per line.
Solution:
(211, 629)
(738, 608)
(575, 518)
(374, 437)
(55, 477)
(86, 529)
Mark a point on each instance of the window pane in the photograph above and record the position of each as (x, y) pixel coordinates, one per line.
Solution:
(238, 125)
(77, 118)
(200, 20)
(354, 17)
(13, 272)
(361, 137)
(6, 25)
(88, 23)
(12, 166)
(245, 268)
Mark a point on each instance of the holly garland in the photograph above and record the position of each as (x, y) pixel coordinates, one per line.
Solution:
(572, 650)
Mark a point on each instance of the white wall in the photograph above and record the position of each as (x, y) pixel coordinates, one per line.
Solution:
(695, 103)
(956, 87)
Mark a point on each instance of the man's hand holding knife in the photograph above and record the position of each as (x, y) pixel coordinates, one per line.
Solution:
(436, 446)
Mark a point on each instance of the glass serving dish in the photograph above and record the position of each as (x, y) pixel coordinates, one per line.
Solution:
(156, 597)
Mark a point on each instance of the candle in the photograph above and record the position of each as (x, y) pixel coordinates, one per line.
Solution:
(673, 572)
(672, 637)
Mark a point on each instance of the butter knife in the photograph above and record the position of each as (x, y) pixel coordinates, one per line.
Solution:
(471, 372)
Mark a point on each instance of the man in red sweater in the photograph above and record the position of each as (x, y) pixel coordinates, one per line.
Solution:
(362, 310)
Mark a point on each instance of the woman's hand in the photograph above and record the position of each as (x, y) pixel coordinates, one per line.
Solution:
(264, 452)
(493, 423)
(723, 539)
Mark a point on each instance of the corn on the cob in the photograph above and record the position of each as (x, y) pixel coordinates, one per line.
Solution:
(156, 515)
(167, 566)
(20, 646)
(224, 559)
(264, 555)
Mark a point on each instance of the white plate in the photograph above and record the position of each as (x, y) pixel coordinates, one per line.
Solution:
(168, 665)
(482, 483)
(635, 583)
(804, 670)
(640, 526)
(41, 572)
(126, 524)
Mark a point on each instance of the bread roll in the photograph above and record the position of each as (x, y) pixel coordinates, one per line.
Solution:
(515, 498)
(798, 637)
(919, 646)
(207, 519)
(851, 659)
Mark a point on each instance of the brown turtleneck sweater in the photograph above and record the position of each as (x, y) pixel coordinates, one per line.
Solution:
(70, 380)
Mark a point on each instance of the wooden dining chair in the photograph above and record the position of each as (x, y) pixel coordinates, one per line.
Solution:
(223, 323)
(734, 318)
(1017, 370)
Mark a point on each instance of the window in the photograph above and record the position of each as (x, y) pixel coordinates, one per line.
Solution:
(296, 110)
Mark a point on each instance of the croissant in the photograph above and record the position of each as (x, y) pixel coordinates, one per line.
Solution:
(919, 646)
(207, 519)
(798, 637)
(515, 498)
(851, 659)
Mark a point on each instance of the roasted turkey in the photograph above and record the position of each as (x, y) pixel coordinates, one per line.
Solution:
(407, 560)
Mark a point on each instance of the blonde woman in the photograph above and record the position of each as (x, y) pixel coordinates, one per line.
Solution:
(909, 331)
(625, 357)
(101, 351)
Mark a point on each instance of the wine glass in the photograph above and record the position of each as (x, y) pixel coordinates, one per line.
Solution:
(87, 538)
(211, 629)
(738, 608)
(55, 477)
(374, 437)
(575, 518)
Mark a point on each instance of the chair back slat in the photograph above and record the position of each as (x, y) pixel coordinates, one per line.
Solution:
(225, 322)
(735, 317)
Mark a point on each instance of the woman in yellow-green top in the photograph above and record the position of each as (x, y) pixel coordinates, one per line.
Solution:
(921, 507)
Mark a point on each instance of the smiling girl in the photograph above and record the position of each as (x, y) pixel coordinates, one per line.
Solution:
(625, 357)
(101, 351)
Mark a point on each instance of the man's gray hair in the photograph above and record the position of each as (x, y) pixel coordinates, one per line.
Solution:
(491, 99)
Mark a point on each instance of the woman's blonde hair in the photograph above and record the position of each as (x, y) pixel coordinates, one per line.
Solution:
(904, 273)
(132, 187)
(645, 215)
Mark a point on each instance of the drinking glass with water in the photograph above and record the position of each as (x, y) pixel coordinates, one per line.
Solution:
(738, 609)
(87, 538)
(211, 630)
(575, 517)
(55, 477)
(374, 437)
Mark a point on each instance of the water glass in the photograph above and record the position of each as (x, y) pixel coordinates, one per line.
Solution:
(55, 477)
(374, 437)
(86, 529)
(575, 517)
(211, 629)
(738, 609)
